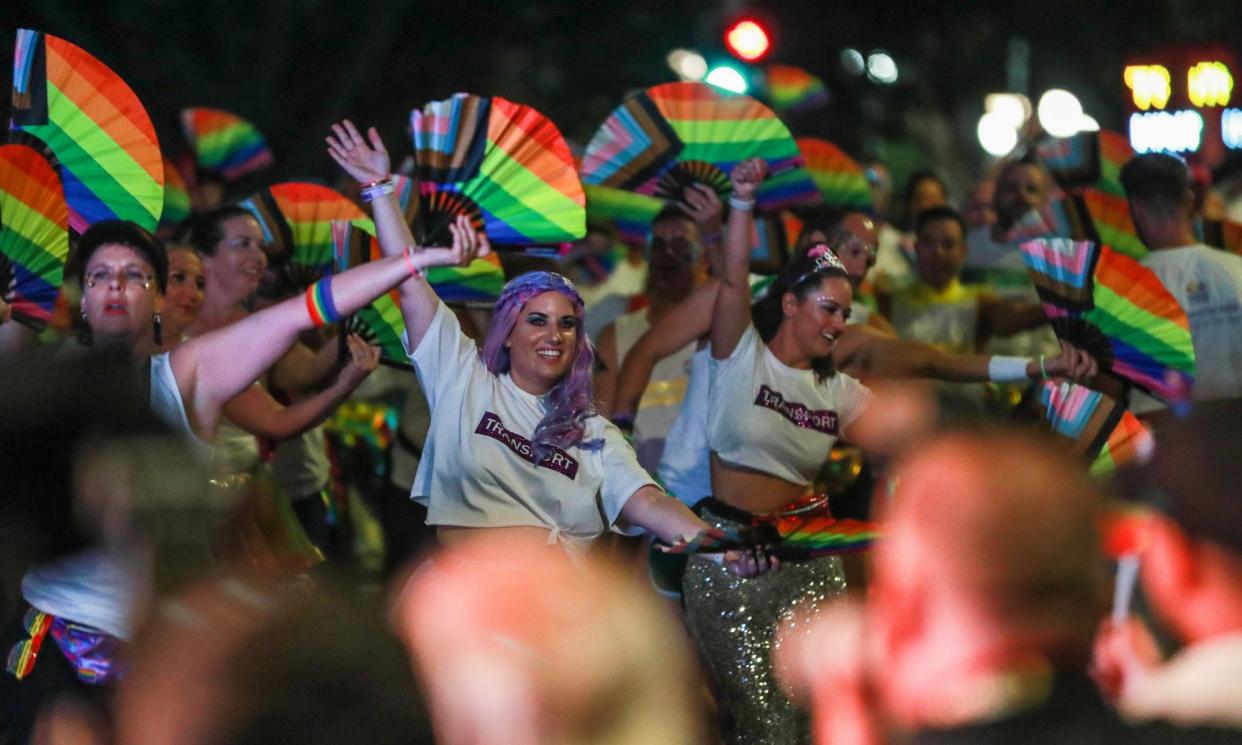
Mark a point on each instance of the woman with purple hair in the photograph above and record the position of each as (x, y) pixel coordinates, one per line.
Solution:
(515, 445)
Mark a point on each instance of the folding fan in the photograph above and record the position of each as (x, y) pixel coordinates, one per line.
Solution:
(34, 235)
(840, 179)
(1115, 308)
(631, 214)
(224, 143)
(1104, 433)
(296, 218)
(176, 200)
(794, 90)
(1115, 151)
(1110, 218)
(1087, 160)
(503, 164)
(96, 130)
(381, 323)
(795, 537)
(663, 139)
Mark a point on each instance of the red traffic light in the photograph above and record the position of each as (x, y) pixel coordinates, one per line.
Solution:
(748, 39)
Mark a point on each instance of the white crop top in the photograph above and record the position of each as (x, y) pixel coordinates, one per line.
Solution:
(774, 418)
(477, 467)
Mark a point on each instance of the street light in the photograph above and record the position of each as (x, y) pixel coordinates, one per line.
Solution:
(997, 134)
(688, 64)
(1060, 112)
(727, 78)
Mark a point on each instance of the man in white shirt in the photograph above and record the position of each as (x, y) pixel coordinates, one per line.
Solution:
(1206, 281)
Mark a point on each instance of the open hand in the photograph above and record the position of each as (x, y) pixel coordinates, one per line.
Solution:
(363, 359)
(701, 203)
(467, 246)
(747, 176)
(365, 162)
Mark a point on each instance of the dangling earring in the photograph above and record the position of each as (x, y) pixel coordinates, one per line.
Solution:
(158, 332)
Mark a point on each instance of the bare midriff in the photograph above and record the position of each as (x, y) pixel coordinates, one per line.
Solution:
(750, 490)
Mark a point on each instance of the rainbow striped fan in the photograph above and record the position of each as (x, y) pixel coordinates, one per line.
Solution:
(1104, 433)
(296, 218)
(1087, 160)
(793, 90)
(1110, 219)
(631, 214)
(503, 164)
(795, 537)
(176, 200)
(1115, 152)
(841, 181)
(381, 323)
(663, 139)
(99, 135)
(1115, 308)
(34, 235)
(224, 143)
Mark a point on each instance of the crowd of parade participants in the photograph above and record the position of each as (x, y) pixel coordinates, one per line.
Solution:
(188, 557)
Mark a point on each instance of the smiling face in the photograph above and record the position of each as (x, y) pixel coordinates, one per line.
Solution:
(818, 317)
(120, 295)
(237, 265)
(543, 343)
(184, 295)
(940, 251)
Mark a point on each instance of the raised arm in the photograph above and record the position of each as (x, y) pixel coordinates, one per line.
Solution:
(689, 320)
(215, 367)
(256, 412)
(732, 308)
(367, 161)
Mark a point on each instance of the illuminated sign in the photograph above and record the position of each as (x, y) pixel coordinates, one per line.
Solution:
(1231, 128)
(1177, 131)
(1150, 85)
(1209, 84)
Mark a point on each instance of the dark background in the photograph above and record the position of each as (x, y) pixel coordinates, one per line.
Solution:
(294, 66)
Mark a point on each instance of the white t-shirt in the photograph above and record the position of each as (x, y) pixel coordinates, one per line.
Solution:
(1207, 282)
(478, 468)
(685, 466)
(661, 400)
(774, 418)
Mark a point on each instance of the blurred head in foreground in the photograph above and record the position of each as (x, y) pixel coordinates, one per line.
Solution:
(989, 563)
(516, 645)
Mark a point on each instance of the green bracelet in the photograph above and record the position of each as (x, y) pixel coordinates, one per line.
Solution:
(1043, 371)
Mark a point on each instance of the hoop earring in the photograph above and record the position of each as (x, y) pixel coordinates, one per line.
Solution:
(157, 331)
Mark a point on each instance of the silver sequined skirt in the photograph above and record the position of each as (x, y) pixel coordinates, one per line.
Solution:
(733, 619)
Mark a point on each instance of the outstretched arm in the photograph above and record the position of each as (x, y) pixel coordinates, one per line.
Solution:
(215, 367)
(865, 353)
(367, 161)
(732, 308)
(689, 320)
(1000, 317)
(256, 412)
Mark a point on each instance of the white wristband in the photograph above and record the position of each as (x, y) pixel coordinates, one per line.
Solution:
(1007, 369)
(745, 205)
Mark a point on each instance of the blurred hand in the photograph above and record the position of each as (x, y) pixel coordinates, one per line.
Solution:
(1073, 363)
(701, 203)
(366, 163)
(747, 176)
(1122, 653)
(363, 359)
(752, 562)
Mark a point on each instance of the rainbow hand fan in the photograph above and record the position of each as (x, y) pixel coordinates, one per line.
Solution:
(96, 130)
(296, 218)
(1115, 308)
(503, 164)
(1110, 218)
(665, 138)
(795, 537)
(176, 200)
(631, 214)
(793, 90)
(1087, 160)
(224, 143)
(1115, 152)
(34, 235)
(1104, 433)
(841, 181)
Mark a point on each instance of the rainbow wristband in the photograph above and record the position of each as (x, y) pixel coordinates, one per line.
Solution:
(319, 303)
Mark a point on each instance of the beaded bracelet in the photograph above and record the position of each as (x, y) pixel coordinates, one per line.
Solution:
(320, 305)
